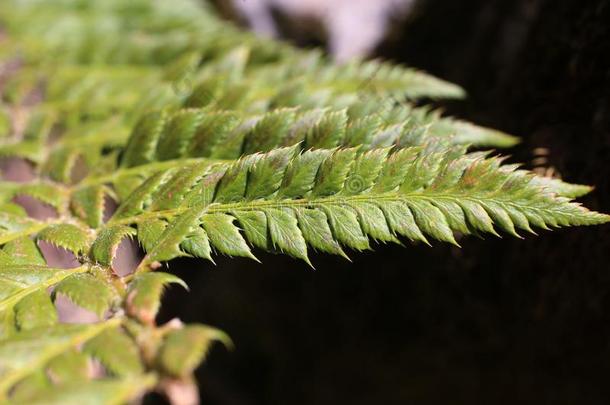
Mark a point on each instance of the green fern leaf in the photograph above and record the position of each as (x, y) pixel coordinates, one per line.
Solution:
(67, 236)
(209, 140)
(124, 362)
(144, 296)
(104, 249)
(216, 134)
(183, 349)
(562, 188)
(69, 367)
(28, 351)
(88, 204)
(15, 226)
(88, 291)
(34, 310)
(30, 386)
(28, 282)
(20, 252)
(277, 197)
(97, 392)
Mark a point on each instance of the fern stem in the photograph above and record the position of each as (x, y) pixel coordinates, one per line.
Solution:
(147, 168)
(324, 202)
(34, 228)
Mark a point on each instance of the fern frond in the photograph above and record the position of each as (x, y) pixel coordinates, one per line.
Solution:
(285, 200)
(209, 140)
(227, 135)
(437, 193)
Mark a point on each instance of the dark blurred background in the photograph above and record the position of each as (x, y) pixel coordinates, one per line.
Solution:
(497, 322)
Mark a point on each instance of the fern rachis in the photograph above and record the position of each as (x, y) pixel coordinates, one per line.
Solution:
(211, 141)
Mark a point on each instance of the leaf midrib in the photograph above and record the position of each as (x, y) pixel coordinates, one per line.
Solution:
(257, 205)
(59, 276)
